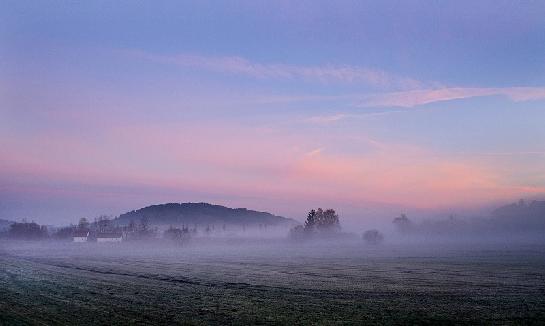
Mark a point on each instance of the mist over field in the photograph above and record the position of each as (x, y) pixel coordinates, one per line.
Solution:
(264, 281)
(201, 263)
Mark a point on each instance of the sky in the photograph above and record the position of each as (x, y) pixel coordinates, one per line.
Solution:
(369, 107)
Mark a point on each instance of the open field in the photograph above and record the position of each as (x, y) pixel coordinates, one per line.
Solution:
(272, 283)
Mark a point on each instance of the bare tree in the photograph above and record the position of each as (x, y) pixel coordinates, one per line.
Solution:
(373, 237)
(176, 234)
(83, 223)
(104, 223)
(297, 233)
(144, 223)
(132, 227)
(402, 223)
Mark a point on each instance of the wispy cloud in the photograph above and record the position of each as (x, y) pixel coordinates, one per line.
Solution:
(404, 99)
(329, 119)
(407, 92)
(522, 153)
(314, 152)
(323, 73)
(326, 119)
(414, 98)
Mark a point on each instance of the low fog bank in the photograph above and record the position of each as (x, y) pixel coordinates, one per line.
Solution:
(519, 222)
(236, 251)
(322, 231)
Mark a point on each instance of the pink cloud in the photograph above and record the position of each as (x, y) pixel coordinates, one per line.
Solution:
(408, 177)
(249, 161)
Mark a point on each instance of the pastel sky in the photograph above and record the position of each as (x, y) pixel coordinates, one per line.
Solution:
(371, 108)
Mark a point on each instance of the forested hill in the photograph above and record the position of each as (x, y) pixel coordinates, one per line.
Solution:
(522, 208)
(201, 213)
(522, 214)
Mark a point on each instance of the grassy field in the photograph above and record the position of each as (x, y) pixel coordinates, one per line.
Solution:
(253, 283)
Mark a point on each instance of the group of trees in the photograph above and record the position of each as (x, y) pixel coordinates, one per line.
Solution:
(64, 233)
(317, 222)
(27, 231)
(324, 223)
(374, 236)
(179, 235)
(320, 220)
(140, 230)
(101, 224)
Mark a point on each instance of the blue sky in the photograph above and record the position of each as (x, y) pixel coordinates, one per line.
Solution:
(279, 106)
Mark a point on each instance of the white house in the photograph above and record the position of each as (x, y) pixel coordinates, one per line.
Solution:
(110, 237)
(80, 236)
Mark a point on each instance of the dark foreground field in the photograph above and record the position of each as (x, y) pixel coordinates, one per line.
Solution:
(270, 283)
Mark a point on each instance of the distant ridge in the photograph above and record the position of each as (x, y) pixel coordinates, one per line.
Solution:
(529, 215)
(534, 208)
(201, 214)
